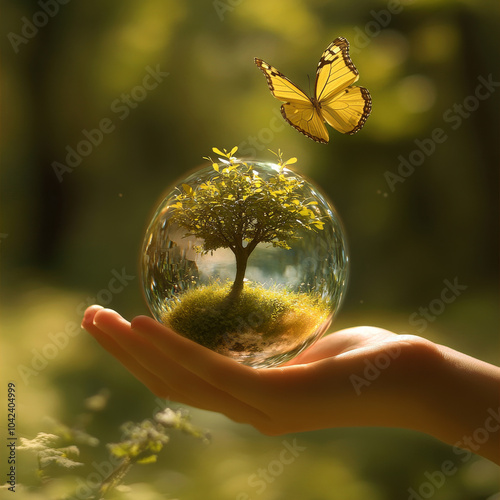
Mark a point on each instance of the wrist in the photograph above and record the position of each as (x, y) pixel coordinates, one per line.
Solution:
(463, 394)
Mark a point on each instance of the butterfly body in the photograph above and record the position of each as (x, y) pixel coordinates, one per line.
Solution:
(335, 101)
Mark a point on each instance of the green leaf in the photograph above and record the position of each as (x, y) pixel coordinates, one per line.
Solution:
(270, 209)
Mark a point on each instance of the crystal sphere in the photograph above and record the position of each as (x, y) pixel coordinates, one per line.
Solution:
(248, 259)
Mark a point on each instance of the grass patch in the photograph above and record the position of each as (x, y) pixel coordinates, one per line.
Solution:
(260, 319)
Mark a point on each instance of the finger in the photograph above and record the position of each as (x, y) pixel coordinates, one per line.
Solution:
(115, 336)
(151, 381)
(223, 373)
(88, 316)
(184, 383)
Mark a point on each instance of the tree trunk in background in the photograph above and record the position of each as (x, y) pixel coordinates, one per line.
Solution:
(475, 64)
(49, 204)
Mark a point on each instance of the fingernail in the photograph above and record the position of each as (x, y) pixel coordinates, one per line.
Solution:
(90, 312)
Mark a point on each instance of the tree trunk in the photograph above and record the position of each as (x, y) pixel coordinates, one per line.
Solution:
(241, 267)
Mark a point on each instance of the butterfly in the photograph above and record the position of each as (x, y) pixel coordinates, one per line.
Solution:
(336, 101)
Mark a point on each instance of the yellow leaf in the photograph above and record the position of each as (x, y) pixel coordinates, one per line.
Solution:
(118, 451)
(218, 151)
(233, 151)
(319, 225)
(216, 166)
(290, 161)
(148, 460)
(188, 189)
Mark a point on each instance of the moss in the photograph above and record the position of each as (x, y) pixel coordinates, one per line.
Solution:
(258, 317)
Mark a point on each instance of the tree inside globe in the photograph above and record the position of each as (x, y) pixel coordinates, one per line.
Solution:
(246, 258)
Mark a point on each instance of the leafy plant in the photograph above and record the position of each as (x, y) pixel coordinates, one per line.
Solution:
(140, 443)
(238, 209)
(48, 453)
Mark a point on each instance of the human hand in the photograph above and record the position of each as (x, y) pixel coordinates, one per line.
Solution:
(361, 376)
(358, 376)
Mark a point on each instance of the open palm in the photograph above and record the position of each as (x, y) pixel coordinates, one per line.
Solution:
(358, 376)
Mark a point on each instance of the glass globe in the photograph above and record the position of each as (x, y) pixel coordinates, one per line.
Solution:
(246, 258)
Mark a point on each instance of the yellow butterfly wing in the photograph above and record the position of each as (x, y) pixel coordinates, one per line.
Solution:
(348, 110)
(343, 106)
(298, 110)
(280, 86)
(306, 119)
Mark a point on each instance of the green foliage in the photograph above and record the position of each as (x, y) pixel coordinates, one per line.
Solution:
(141, 443)
(72, 434)
(48, 453)
(238, 209)
(238, 206)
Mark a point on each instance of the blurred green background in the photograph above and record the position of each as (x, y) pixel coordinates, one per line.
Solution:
(67, 225)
